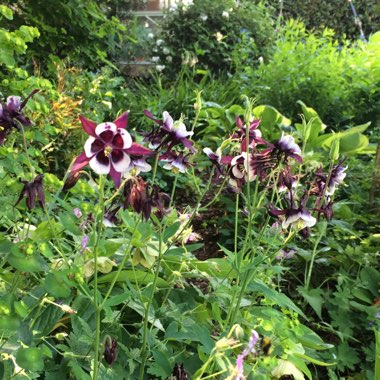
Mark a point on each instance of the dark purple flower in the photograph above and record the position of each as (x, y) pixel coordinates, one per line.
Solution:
(71, 180)
(179, 373)
(287, 147)
(110, 218)
(33, 190)
(335, 178)
(108, 149)
(144, 199)
(110, 350)
(170, 133)
(175, 160)
(254, 134)
(11, 113)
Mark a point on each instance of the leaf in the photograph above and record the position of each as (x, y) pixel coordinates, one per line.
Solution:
(312, 360)
(171, 230)
(30, 359)
(6, 12)
(56, 286)
(27, 263)
(117, 299)
(278, 298)
(137, 277)
(314, 299)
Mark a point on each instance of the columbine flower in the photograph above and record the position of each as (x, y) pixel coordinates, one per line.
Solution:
(298, 216)
(286, 146)
(77, 212)
(248, 350)
(33, 190)
(336, 178)
(179, 373)
(170, 133)
(175, 161)
(254, 134)
(110, 350)
(242, 167)
(137, 165)
(11, 113)
(285, 254)
(84, 243)
(108, 148)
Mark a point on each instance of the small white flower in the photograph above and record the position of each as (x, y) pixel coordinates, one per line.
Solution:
(169, 58)
(160, 67)
(146, 24)
(225, 14)
(219, 36)
(155, 58)
(159, 42)
(203, 17)
(165, 50)
(261, 60)
(150, 35)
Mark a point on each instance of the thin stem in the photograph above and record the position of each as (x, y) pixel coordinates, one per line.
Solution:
(314, 254)
(32, 171)
(99, 228)
(144, 353)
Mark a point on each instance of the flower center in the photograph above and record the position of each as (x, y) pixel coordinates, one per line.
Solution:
(107, 150)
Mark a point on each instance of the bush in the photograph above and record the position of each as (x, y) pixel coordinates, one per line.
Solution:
(68, 30)
(335, 14)
(339, 80)
(205, 33)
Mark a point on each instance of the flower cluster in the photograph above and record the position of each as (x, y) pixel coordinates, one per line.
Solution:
(253, 158)
(167, 136)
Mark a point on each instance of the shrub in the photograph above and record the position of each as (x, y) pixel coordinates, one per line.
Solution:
(205, 33)
(338, 80)
(335, 14)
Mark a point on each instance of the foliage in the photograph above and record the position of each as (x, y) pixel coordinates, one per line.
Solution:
(68, 30)
(204, 34)
(335, 14)
(332, 78)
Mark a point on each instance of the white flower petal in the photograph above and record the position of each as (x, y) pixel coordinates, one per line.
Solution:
(290, 220)
(88, 145)
(168, 120)
(100, 128)
(180, 130)
(98, 167)
(122, 165)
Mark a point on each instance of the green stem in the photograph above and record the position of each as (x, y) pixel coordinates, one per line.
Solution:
(314, 254)
(144, 353)
(26, 149)
(98, 307)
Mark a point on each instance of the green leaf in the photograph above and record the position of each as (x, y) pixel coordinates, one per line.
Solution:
(171, 230)
(137, 277)
(6, 12)
(312, 360)
(314, 299)
(27, 263)
(278, 298)
(118, 299)
(56, 286)
(9, 322)
(30, 359)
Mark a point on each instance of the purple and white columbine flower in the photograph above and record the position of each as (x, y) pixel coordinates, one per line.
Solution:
(108, 149)
(170, 133)
(336, 178)
(11, 113)
(252, 131)
(288, 147)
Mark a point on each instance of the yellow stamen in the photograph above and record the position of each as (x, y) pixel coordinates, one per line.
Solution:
(107, 151)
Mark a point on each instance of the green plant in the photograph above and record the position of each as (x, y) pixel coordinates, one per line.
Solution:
(203, 35)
